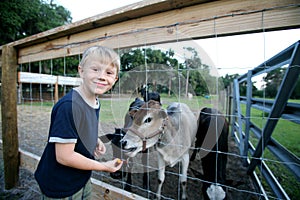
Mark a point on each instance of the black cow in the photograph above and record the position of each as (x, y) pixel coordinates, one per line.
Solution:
(115, 138)
(147, 96)
(212, 137)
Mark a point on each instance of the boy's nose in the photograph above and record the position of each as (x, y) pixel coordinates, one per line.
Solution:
(100, 74)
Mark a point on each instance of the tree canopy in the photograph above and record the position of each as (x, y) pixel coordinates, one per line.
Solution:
(163, 72)
(22, 18)
(273, 81)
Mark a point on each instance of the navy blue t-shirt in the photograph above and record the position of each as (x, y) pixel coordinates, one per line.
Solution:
(72, 121)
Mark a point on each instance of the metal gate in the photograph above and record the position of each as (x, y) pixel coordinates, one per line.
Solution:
(278, 108)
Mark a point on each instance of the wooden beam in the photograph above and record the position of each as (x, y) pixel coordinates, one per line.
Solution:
(202, 20)
(28, 77)
(103, 190)
(125, 13)
(9, 116)
(28, 160)
(37, 78)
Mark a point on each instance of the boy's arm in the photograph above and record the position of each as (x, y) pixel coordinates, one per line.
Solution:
(66, 155)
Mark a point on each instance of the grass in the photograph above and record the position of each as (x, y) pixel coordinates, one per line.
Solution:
(287, 134)
(114, 110)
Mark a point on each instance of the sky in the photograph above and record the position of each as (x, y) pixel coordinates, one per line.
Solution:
(230, 55)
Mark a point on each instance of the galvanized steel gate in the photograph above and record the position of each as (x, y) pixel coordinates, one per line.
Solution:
(279, 108)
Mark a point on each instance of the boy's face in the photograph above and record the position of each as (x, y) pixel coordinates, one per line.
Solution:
(97, 77)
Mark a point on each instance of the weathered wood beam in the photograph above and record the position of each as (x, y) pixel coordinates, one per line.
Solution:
(9, 116)
(103, 190)
(193, 22)
(125, 13)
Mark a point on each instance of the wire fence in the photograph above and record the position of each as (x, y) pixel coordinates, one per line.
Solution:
(37, 95)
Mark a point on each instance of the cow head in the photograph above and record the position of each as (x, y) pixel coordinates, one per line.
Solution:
(148, 123)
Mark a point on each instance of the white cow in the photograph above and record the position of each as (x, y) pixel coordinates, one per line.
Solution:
(170, 131)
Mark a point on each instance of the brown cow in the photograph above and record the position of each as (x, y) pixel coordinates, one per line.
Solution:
(170, 131)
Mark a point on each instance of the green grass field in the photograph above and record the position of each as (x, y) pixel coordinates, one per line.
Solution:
(115, 109)
(287, 134)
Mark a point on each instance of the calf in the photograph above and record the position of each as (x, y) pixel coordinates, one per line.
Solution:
(212, 134)
(170, 131)
(116, 138)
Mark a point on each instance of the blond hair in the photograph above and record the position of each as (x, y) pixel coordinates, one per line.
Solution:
(107, 56)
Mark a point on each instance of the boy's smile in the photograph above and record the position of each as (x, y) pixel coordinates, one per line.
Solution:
(97, 78)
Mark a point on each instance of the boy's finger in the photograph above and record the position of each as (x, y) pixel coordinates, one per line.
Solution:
(118, 162)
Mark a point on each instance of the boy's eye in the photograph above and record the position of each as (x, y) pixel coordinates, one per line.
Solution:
(111, 73)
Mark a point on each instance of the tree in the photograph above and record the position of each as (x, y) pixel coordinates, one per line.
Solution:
(273, 80)
(197, 74)
(22, 18)
(146, 66)
(228, 79)
(296, 92)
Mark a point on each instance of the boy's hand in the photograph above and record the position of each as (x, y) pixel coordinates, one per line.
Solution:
(118, 162)
(113, 165)
(100, 149)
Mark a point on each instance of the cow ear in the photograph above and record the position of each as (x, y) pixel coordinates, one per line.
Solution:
(163, 114)
(132, 112)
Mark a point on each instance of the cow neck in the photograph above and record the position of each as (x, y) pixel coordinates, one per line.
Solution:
(165, 139)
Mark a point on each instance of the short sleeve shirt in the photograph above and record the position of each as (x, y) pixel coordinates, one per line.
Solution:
(72, 121)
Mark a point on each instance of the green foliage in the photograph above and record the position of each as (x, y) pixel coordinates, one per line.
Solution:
(22, 18)
(198, 74)
(135, 62)
(228, 79)
(165, 73)
(273, 80)
(136, 57)
(66, 66)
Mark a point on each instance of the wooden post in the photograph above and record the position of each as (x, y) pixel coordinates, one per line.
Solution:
(56, 91)
(9, 116)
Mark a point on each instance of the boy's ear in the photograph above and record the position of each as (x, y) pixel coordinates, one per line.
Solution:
(116, 79)
(80, 70)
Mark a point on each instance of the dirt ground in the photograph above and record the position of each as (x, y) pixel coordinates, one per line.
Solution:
(33, 125)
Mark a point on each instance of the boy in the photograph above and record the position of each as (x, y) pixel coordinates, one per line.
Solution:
(67, 162)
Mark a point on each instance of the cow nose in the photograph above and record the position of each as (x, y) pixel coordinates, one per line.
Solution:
(123, 143)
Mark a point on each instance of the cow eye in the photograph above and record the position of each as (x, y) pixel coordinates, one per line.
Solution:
(148, 120)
